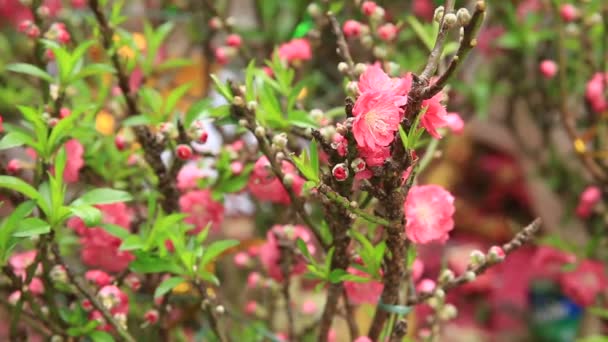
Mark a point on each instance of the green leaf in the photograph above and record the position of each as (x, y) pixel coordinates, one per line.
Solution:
(100, 336)
(214, 250)
(301, 118)
(116, 230)
(31, 227)
(103, 196)
(131, 243)
(167, 285)
(174, 63)
(174, 97)
(335, 276)
(223, 89)
(304, 249)
(423, 34)
(196, 111)
(404, 138)
(9, 225)
(599, 312)
(15, 139)
(29, 69)
(16, 184)
(396, 309)
(136, 121)
(249, 75)
(314, 159)
(92, 70)
(412, 253)
(89, 214)
(146, 263)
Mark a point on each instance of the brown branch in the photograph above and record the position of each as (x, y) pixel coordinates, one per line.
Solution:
(435, 56)
(467, 43)
(245, 53)
(151, 146)
(343, 49)
(286, 264)
(353, 328)
(524, 236)
(213, 322)
(124, 334)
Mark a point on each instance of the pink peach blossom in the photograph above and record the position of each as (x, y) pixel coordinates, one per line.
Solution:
(568, 12)
(116, 297)
(75, 162)
(435, 115)
(266, 187)
(368, 7)
(426, 285)
(352, 28)
(100, 278)
(374, 157)
(589, 198)
(548, 68)
(188, 176)
(241, 259)
(377, 117)
(250, 307)
(253, 279)
(423, 9)
(202, 209)
(387, 32)
(595, 92)
(296, 50)
(309, 307)
(455, 123)
(270, 253)
(429, 211)
(374, 79)
(358, 292)
(584, 283)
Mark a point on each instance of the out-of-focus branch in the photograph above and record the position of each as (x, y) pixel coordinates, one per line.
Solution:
(435, 56)
(343, 49)
(467, 43)
(524, 236)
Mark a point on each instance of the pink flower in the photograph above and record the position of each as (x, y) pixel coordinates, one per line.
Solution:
(114, 298)
(253, 279)
(568, 12)
(374, 157)
(270, 253)
(99, 249)
(359, 293)
(377, 116)
(241, 259)
(234, 40)
(548, 68)
(74, 151)
(486, 41)
(79, 3)
(423, 9)
(429, 211)
(309, 307)
(100, 278)
(340, 144)
(595, 92)
(527, 7)
(584, 283)
(201, 210)
(454, 123)
(295, 51)
(352, 28)
(548, 261)
(387, 32)
(368, 7)
(435, 115)
(417, 269)
(426, 285)
(250, 307)
(374, 79)
(188, 176)
(587, 201)
(220, 55)
(266, 187)
(21, 261)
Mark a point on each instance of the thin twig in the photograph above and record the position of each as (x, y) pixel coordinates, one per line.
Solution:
(343, 50)
(435, 56)
(124, 334)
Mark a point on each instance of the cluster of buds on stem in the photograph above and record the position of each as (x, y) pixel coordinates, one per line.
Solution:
(29, 28)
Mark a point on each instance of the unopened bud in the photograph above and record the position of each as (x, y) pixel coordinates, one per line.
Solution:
(470, 275)
(446, 276)
(316, 114)
(477, 258)
(464, 17)
(238, 101)
(314, 10)
(220, 309)
(378, 14)
(448, 312)
(438, 14)
(343, 67)
(352, 88)
(450, 20)
(360, 68)
(379, 52)
(242, 122)
(496, 254)
(288, 179)
(340, 172)
(252, 105)
(260, 132)
(440, 294)
(280, 140)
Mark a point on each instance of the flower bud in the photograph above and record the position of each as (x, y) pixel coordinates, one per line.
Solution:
(242, 122)
(352, 87)
(448, 312)
(260, 132)
(14, 166)
(183, 151)
(340, 172)
(234, 40)
(368, 7)
(119, 142)
(220, 309)
(470, 275)
(203, 135)
(316, 114)
(343, 67)
(496, 254)
(215, 23)
(450, 20)
(280, 140)
(477, 258)
(151, 316)
(238, 101)
(463, 16)
(438, 14)
(252, 105)
(360, 68)
(378, 14)
(446, 276)
(288, 179)
(379, 52)
(314, 10)
(358, 165)
(58, 274)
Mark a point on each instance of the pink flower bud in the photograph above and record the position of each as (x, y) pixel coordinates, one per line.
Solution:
(151, 316)
(64, 112)
(133, 282)
(53, 122)
(98, 277)
(363, 339)
(86, 305)
(548, 68)
(426, 285)
(340, 172)
(14, 166)
(368, 7)
(120, 142)
(215, 23)
(241, 259)
(33, 32)
(203, 136)
(250, 307)
(184, 152)
(253, 279)
(63, 37)
(587, 201)
(236, 167)
(568, 12)
(14, 297)
(358, 165)
(24, 25)
(309, 307)
(221, 56)
(454, 123)
(352, 28)
(496, 254)
(387, 32)
(234, 40)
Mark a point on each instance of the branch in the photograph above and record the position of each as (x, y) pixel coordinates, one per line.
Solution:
(124, 334)
(467, 43)
(435, 56)
(344, 202)
(521, 238)
(343, 50)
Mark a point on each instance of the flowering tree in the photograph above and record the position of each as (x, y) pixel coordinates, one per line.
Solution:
(123, 190)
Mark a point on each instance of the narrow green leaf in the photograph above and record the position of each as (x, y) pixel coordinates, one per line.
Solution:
(174, 97)
(15, 139)
(131, 243)
(31, 227)
(31, 70)
(103, 196)
(223, 89)
(16, 184)
(89, 214)
(167, 285)
(115, 230)
(215, 249)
